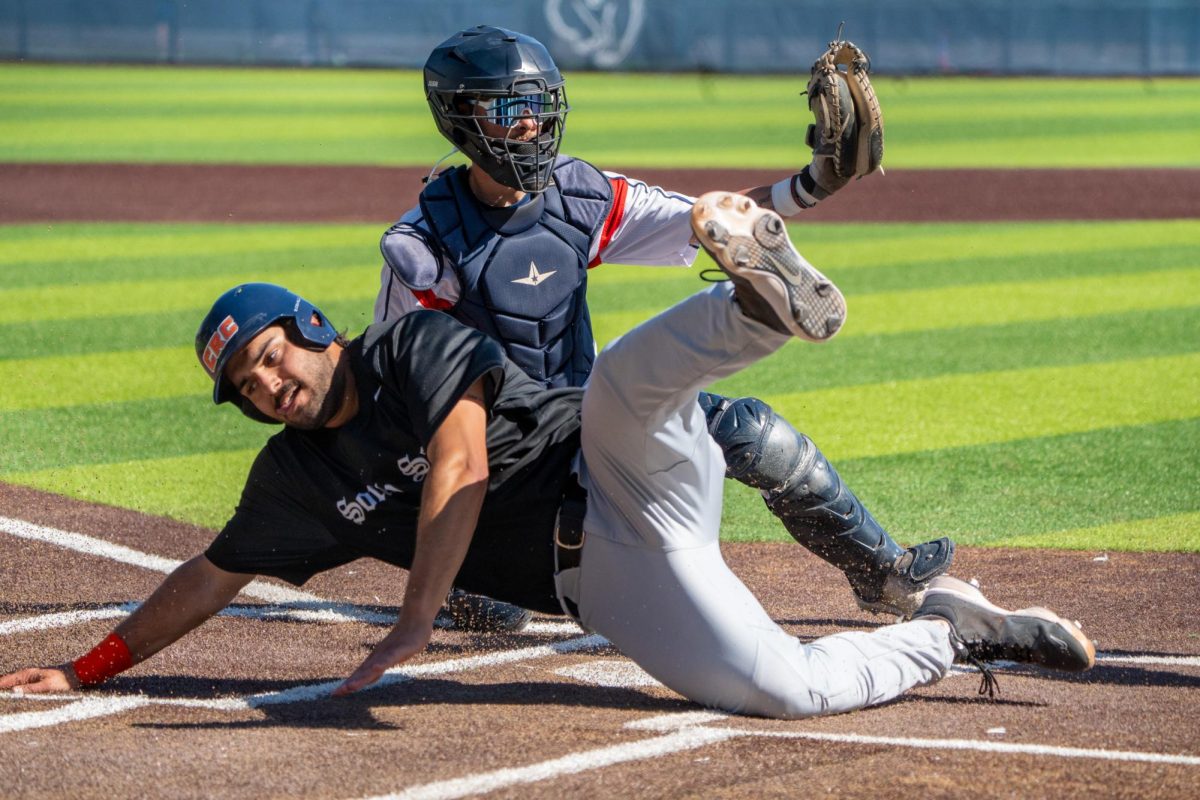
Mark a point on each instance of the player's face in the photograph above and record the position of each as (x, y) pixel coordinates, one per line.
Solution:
(299, 387)
(507, 118)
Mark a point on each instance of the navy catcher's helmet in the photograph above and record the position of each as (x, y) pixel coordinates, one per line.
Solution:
(510, 76)
(241, 314)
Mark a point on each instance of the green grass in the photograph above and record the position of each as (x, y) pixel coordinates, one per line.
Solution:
(260, 116)
(1128, 488)
(1014, 384)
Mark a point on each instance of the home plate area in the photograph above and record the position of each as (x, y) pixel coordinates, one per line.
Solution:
(241, 707)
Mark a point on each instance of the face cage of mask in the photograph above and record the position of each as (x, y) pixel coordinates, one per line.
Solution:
(525, 166)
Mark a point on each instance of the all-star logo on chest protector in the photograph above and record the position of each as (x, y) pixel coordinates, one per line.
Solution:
(535, 277)
(501, 255)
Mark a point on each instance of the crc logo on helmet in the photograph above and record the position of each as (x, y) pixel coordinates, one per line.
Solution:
(218, 342)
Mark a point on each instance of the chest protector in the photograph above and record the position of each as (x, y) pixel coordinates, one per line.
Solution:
(523, 270)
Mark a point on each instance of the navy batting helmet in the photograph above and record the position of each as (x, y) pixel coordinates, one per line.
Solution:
(244, 312)
(509, 76)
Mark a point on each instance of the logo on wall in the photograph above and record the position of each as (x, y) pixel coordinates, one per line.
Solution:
(602, 30)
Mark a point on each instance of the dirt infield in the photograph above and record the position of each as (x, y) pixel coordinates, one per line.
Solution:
(187, 193)
(240, 707)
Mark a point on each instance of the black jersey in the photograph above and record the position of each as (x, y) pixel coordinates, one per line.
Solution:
(317, 499)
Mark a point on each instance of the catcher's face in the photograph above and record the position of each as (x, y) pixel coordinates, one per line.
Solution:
(289, 383)
(513, 118)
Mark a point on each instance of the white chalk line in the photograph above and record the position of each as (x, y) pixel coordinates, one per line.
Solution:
(984, 747)
(289, 603)
(1145, 660)
(91, 707)
(641, 750)
(80, 709)
(65, 619)
(317, 608)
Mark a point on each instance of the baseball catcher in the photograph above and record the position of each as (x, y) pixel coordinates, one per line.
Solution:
(505, 245)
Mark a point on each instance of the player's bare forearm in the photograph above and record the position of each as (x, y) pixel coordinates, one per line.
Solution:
(191, 594)
(761, 195)
(450, 502)
(195, 591)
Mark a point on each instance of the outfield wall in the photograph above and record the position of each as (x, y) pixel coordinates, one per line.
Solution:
(1064, 37)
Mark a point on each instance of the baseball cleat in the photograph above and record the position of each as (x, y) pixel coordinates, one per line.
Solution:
(478, 614)
(901, 590)
(981, 631)
(772, 282)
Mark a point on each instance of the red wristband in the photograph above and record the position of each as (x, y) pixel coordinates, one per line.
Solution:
(106, 659)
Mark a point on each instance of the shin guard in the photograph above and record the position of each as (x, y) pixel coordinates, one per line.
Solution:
(806, 493)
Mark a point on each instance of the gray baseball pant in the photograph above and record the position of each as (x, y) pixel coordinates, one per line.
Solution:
(652, 579)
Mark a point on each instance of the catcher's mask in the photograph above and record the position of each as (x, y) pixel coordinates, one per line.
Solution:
(242, 313)
(486, 74)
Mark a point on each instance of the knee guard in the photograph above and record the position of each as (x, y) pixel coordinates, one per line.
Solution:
(806, 493)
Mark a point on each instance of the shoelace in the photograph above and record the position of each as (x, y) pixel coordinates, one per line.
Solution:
(975, 654)
(987, 684)
(706, 275)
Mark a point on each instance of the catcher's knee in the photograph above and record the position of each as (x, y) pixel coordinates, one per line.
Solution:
(761, 448)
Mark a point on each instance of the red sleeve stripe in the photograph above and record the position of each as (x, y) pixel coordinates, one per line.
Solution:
(430, 300)
(620, 186)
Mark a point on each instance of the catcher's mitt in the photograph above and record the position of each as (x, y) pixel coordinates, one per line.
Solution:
(847, 138)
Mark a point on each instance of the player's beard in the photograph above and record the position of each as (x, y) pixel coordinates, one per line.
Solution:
(327, 390)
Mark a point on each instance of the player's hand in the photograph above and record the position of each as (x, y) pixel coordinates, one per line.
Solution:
(395, 648)
(40, 680)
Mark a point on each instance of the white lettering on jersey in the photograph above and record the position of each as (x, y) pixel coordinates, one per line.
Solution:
(356, 508)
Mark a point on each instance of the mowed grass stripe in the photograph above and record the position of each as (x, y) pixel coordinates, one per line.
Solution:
(184, 264)
(1173, 532)
(1060, 483)
(608, 288)
(96, 251)
(879, 358)
(72, 337)
(1125, 488)
(60, 381)
(91, 252)
(867, 420)
(965, 410)
(184, 294)
(985, 304)
(46, 438)
(203, 489)
(1018, 301)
